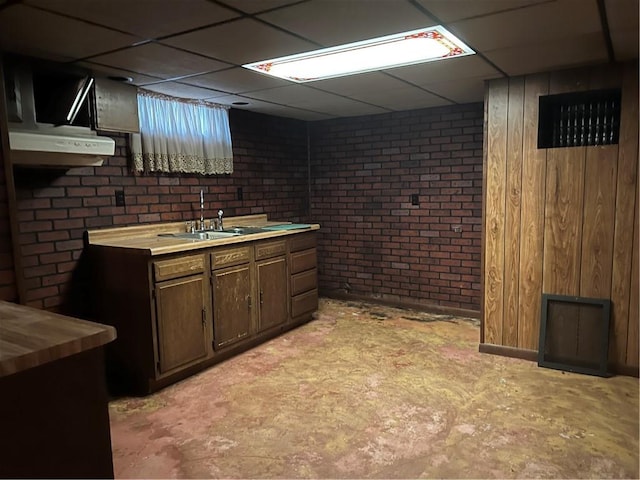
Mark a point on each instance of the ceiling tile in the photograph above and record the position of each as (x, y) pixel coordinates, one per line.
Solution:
(149, 18)
(355, 84)
(622, 16)
(159, 61)
(254, 6)
(403, 98)
(381, 90)
(352, 110)
(30, 31)
(462, 90)
(104, 71)
(312, 99)
(260, 106)
(582, 50)
(532, 25)
(334, 22)
(446, 70)
(240, 42)
(183, 91)
(235, 80)
(451, 11)
(625, 45)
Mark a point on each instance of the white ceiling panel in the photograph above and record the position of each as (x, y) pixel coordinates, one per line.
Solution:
(255, 6)
(335, 22)
(151, 59)
(240, 42)
(462, 90)
(446, 70)
(30, 31)
(348, 109)
(104, 71)
(532, 25)
(236, 80)
(403, 98)
(150, 18)
(194, 48)
(260, 106)
(357, 84)
(623, 25)
(454, 10)
(625, 45)
(585, 50)
(307, 97)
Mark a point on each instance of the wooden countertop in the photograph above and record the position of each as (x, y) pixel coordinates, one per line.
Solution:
(145, 239)
(31, 337)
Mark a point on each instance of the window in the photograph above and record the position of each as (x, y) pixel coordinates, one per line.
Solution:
(181, 136)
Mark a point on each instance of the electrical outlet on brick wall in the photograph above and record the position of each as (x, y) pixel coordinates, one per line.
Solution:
(120, 202)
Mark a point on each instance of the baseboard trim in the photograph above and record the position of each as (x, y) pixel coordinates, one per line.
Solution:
(511, 352)
(532, 355)
(625, 370)
(397, 303)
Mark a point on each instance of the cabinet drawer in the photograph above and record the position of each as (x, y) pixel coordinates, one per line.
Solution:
(305, 303)
(178, 267)
(302, 241)
(304, 281)
(228, 257)
(270, 249)
(304, 260)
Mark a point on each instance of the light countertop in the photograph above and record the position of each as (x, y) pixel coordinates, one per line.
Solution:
(145, 239)
(30, 337)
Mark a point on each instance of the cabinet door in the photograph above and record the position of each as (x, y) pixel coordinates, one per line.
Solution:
(116, 106)
(272, 292)
(232, 304)
(181, 320)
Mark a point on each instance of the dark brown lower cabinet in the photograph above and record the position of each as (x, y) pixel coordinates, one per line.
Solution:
(273, 297)
(179, 313)
(232, 305)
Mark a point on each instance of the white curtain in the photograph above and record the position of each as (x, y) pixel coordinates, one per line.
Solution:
(181, 136)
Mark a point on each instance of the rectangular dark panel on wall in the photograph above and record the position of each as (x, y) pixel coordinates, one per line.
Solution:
(574, 334)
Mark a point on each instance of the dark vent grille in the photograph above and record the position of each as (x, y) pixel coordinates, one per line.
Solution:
(579, 119)
(574, 334)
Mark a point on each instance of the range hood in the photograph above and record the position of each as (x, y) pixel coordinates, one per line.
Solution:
(43, 102)
(59, 147)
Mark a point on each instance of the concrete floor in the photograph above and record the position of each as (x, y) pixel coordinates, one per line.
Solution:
(366, 391)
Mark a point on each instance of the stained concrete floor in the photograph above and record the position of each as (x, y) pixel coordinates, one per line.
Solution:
(366, 391)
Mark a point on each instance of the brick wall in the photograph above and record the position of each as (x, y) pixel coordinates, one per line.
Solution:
(373, 241)
(56, 207)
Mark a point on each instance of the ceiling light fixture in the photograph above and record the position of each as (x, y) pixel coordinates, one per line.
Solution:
(400, 49)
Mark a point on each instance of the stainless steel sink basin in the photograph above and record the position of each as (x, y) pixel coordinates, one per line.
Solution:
(243, 230)
(208, 235)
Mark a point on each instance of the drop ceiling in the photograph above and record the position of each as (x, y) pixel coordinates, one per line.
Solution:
(195, 48)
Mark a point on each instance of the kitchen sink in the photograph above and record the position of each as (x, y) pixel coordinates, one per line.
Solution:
(243, 230)
(204, 235)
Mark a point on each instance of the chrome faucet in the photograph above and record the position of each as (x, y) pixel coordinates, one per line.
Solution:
(201, 209)
(220, 213)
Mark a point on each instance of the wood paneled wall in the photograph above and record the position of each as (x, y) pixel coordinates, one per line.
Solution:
(559, 220)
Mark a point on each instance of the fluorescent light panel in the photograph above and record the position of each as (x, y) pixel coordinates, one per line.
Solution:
(400, 49)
